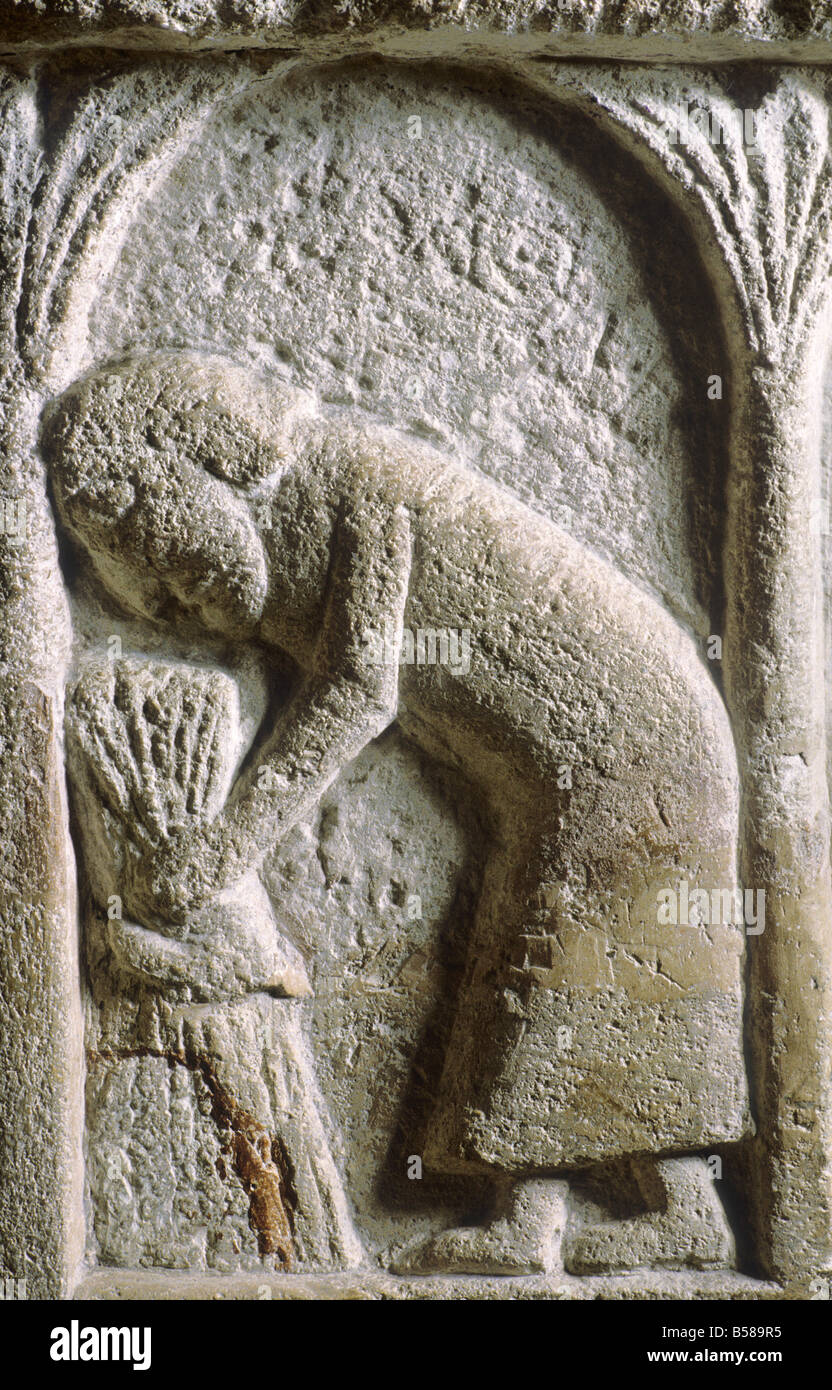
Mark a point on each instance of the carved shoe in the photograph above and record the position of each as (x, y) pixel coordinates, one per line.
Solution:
(523, 1241)
(689, 1227)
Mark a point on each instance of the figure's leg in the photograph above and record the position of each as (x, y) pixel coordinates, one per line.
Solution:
(523, 1238)
(472, 1119)
(524, 1234)
(686, 1226)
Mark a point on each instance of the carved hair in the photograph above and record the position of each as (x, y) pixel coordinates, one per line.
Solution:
(140, 456)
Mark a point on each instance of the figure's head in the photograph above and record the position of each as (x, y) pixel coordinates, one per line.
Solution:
(150, 462)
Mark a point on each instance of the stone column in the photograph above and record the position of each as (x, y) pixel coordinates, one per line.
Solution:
(774, 679)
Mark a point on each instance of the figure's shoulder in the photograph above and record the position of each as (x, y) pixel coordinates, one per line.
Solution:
(368, 461)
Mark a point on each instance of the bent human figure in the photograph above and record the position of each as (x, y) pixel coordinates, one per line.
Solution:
(585, 718)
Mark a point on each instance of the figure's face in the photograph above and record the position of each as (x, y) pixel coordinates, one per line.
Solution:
(185, 542)
(139, 459)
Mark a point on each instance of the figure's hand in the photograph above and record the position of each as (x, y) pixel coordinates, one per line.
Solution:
(232, 949)
(184, 873)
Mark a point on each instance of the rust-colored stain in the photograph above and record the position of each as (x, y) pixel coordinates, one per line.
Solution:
(259, 1158)
(261, 1168)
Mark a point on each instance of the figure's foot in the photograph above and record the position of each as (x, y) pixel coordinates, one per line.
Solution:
(525, 1240)
(688, 1227)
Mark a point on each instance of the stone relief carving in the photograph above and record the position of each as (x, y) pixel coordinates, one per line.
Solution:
(188, 486)
(388, 727)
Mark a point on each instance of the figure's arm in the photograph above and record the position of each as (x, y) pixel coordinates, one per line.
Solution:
(210, 964)
(349, 698)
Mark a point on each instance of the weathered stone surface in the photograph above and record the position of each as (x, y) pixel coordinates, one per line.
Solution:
(411, 558)
(709, 30)
(40, 1157)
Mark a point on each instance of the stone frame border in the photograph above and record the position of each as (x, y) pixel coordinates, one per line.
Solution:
(773, 610)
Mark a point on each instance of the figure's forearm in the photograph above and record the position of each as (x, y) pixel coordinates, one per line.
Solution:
(348, 701)
(327, 725)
